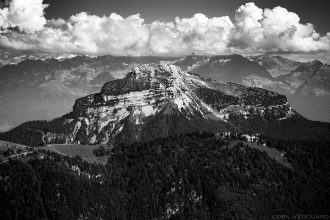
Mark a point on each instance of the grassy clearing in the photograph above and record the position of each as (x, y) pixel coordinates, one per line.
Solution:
(271, 152)
(72, 150)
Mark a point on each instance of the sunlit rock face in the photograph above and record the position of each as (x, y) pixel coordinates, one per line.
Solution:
(155, 101)
(39, 88)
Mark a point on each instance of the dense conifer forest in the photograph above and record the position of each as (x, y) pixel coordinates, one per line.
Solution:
(196, 176)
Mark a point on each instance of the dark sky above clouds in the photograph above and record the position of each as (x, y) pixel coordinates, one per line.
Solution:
(316, 12)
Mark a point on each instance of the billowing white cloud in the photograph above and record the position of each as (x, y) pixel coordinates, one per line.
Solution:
(100, 35)
(27, 15)
(274, 30)
(197, 34)
(254, 30)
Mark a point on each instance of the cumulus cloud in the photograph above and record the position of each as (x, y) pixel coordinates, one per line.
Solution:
(254, 30)
(197, 34)
(27, 15)
(99, 35)
(274, 29)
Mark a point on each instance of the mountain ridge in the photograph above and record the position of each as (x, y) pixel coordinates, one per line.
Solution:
(160, 100)
(44, 89)
(47, 88)
(273, 73)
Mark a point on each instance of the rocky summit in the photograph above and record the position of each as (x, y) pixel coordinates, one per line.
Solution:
(155, 101)
(160, 100)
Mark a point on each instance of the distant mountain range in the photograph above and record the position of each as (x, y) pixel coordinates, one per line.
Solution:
(160, 100)
(35, 88)
(307, 85)
(44, 89)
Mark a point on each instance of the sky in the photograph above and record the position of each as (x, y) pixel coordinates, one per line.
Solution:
(312, 11)
(167, 28)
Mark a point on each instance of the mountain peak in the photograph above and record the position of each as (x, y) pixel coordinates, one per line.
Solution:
(155, 101)
(162, 100)
(152, 76)
(155, 70)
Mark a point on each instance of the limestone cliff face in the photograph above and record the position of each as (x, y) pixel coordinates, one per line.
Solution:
(159, 100)
(155, 101)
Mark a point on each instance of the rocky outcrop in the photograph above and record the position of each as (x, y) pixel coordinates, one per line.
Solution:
(156, 101)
